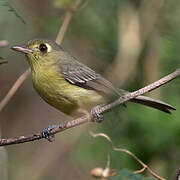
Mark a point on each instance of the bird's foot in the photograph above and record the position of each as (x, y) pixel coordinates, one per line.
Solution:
(46, 133)
(96, 115)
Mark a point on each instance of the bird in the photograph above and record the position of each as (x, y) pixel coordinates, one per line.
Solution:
(70, 86)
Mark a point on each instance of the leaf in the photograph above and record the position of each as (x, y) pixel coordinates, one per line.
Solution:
(12, 9)
(128, 175)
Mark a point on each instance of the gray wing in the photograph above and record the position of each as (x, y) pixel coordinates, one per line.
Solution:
(80, 75)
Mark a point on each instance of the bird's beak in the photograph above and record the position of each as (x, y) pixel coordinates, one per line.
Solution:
(22, 49)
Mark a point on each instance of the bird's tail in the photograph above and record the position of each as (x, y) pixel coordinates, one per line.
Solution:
(157, 104)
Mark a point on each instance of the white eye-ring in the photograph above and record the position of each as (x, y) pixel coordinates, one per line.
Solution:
(49, 48)
(44, 48)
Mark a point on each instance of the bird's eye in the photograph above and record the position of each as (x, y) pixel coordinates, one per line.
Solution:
(43, 48)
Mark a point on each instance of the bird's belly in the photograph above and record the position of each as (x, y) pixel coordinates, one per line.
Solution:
(67, 97)
(56, 98)
(59, 102)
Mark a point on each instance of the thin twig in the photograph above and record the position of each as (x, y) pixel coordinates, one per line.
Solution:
(14, 88)
(86, 118)
(145, 167)
(67, 19)
(23, 77)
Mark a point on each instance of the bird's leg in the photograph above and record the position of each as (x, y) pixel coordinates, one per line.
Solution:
(95, 113)
(81, 111)
(93, 116)
(46, 133)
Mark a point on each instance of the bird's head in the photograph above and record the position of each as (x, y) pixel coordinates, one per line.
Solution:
(40, 52)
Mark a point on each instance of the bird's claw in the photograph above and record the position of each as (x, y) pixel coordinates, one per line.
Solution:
(46, 133)
(96, 116)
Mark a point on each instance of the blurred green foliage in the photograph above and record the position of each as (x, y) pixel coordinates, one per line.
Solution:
(12, 9)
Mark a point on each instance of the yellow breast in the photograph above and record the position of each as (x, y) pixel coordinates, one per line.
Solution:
(56, 91)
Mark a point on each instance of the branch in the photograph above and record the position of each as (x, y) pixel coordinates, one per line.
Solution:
(145, 167)
(86, 118)
(67, 20)
(14, 88)
(24, 76)
(141, 91)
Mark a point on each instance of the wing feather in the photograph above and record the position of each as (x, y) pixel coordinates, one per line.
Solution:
(81, 75)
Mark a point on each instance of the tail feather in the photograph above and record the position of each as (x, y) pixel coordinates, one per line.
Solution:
(157, 104)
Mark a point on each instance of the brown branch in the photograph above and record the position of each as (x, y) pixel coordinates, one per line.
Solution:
(141, 91)
(66, 21)
(86, 119)
(145, 167)
(14, 88)
(59, 39)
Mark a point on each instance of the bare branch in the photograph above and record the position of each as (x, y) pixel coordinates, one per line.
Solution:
(14, 88)
(67, 20)
(86, 118)
(141, 91)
